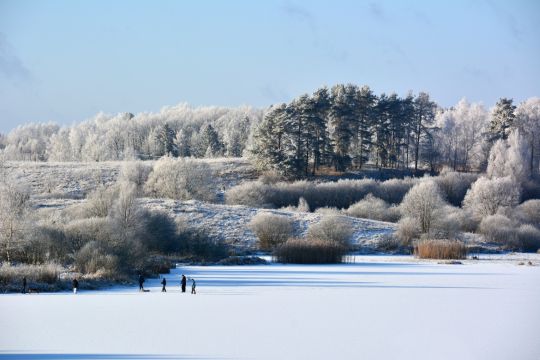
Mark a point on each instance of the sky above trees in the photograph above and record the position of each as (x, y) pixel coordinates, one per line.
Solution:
(65, 61)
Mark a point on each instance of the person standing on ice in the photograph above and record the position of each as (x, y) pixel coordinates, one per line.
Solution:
(193, 285)
(141, 282)
(164, 283)
(184, 280)
(24, 285)
(75, 285)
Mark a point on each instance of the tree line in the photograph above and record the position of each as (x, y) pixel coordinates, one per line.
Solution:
(180, 131)
(344, 127)
(347, 126)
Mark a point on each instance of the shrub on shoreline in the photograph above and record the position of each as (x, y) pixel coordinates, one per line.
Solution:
(302, 251)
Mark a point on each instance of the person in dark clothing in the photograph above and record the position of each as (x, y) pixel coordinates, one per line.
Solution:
(141, 282)
(193, 285)
(164, 283)
(184, 280)
(75, 285)
(24, 285)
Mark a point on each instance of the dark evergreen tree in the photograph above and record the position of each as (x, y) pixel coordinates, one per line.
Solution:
(342, 115)
(211, 142)
(407, 116)
(424, 115)
(268, 140)
(317, 126)
(183, 142)
(362, 126)
(381, 131)
(165, 140)
(297, 137)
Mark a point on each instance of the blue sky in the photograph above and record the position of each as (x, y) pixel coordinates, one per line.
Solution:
(64, 61)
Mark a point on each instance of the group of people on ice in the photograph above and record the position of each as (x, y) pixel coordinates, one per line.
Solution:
(183, 283)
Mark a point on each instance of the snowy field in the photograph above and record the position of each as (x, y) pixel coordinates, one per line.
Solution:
(76, 179)
(375, 308)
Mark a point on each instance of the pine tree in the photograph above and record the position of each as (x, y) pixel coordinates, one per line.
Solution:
(210, 141)
(321, 106)
(342, 113)
(183, 143)
(362, 134)
(297, 136)
(424, 115)
(502, 119)
(407, 114)
(268, 140)
(165, 141)
(382, 131)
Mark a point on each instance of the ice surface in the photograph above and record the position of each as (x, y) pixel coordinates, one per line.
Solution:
(375, 308)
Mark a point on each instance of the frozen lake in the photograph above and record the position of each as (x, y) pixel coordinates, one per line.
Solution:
(375, 308)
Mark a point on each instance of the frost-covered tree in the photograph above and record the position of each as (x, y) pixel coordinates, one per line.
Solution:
(14, 207)
(509, 158)
(528, 122)
(502, 119)
(267, 147)
(183, 143)
(460, 140)
(424, 204)
(165, 141)
(211, 141)
(125, 213)
(486, 195)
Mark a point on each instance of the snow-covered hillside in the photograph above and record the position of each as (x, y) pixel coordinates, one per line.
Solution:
(373, 309)
(75, 179)
(229, 222)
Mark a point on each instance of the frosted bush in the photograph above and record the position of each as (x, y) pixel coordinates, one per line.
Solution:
(181, 179)
(328, 211)
(499, 229)
(454, 185)
(529, 238)
(136, 172)
(254, 194)
(394, 190)
(99, 202)
(271, 230)
(303, 205)
(448, 225)
(528, 212)
(91, 259)
(373, 208)
(407, 230)
(332, 229)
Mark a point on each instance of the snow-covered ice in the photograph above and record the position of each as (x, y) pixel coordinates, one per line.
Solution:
(375, 308)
